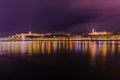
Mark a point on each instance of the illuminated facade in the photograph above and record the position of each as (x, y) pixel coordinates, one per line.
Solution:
(99, 33)
(94, 35)
(36, 35)
(27, 35)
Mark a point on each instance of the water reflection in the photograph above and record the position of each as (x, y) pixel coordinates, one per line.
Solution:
(94, 48)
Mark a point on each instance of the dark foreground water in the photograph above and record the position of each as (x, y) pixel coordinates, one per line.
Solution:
(60, 60)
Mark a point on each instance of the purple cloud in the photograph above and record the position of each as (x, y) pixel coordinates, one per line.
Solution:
(59, 15)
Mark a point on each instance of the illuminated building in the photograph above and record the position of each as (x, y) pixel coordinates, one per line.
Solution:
(36, 35)
(99, 33)
(27, 35)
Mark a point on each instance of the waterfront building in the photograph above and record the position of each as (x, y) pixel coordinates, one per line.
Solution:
(27, 35)
(99, 33)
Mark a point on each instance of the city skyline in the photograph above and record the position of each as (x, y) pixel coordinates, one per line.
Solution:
(93, 31)
(60, 39)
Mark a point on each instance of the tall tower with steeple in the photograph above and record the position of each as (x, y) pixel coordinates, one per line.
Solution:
(93, 30)
(29, 32)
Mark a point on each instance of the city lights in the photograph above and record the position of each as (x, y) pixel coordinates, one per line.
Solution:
(92, 36)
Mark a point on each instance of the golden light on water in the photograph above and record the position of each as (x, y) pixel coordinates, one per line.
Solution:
(118, 46)
(113, 47)
(94, 48)
(104, 49)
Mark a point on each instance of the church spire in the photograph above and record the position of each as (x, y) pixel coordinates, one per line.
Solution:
(93, 30)
(30, 32)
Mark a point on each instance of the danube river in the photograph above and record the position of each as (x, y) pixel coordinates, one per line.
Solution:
(60, 59)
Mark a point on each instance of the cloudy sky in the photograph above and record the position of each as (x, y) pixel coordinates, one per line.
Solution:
(43, 16)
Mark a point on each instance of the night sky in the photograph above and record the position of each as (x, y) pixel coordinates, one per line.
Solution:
(44, 16)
